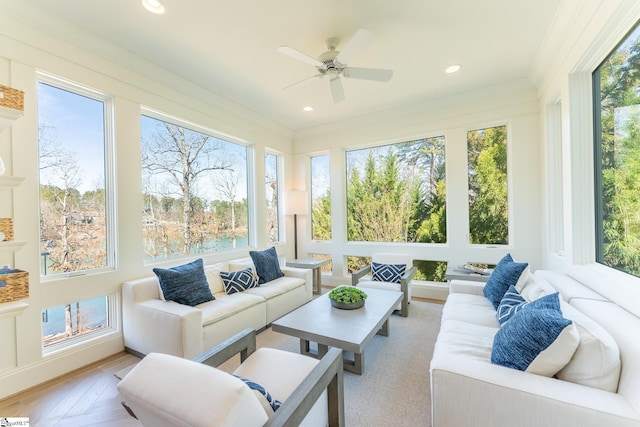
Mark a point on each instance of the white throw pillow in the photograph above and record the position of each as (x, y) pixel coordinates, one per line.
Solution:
(212, 272)
(596, 362)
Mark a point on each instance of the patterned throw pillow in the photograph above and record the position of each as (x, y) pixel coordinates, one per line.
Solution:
(537, 341)
(262, 392)
(238, 281)
(391, 273)
(506, 274)
(185, 284)
(513, 302)
(267, 265)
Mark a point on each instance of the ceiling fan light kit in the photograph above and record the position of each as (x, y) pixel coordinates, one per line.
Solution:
(333, 63)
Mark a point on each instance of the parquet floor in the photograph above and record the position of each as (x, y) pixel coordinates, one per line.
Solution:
(86, 397)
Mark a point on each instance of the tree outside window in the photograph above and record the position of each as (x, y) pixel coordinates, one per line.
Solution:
(194, 191)
(272, 189)
(488, 203)
(616, 85)
(320, 198)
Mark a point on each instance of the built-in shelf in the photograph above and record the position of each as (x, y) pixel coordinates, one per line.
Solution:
(8, 116)
(10, 181)
(11, 245)
(12, 309)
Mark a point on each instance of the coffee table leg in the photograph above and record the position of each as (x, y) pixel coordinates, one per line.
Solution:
(322, 350)
(384, 330)
(357, 366)
(305, 348)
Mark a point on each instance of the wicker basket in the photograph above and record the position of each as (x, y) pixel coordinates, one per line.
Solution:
(14, 285)
(11, 98)
(6, 228)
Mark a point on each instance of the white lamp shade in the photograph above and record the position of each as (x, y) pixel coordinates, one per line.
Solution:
(295, 202)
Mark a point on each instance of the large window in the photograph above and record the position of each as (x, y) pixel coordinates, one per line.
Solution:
(194, 191)
(272, 191)
(616, 85)
(73, 139)
(65, 322)
(488, 202)
(320, 198)
(397, 193)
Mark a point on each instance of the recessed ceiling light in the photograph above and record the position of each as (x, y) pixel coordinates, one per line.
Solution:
(452, 69)
(308, 108)
(154, 6)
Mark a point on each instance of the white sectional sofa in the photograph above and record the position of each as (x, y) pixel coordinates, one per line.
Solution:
(151, 324)
(468, 390)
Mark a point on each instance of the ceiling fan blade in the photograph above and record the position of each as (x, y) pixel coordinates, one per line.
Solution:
(358, 42)
(377, 74)
(336, 89)
(301, 81)
(288, 50)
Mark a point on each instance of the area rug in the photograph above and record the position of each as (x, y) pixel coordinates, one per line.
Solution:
(394, 389)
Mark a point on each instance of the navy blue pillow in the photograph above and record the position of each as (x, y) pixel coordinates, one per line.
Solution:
(274, 403)
(238, 281)
(387, 272)
(185, 284)
(527, 337)
(506, 274)
(267, 265)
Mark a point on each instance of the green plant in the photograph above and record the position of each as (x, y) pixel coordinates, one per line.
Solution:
(347, 294)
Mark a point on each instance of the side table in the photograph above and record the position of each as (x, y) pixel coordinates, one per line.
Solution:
(313, 264)
(457, 273)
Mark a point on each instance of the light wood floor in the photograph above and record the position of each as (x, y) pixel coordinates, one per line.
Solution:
(86, 397)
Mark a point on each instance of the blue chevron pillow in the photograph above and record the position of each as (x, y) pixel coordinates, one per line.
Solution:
(512, 303)
(238, 281)
(387, 272)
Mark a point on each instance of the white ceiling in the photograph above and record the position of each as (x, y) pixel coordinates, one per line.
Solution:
(230, 46)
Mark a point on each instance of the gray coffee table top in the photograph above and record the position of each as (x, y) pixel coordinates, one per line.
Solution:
(318, 321)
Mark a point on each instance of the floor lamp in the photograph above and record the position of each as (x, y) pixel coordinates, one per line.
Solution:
(296, 204)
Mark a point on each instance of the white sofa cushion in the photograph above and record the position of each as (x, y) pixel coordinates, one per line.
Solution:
(226, 305)
(276, 287)
(473, 309)
(596, 362)
(214, 397)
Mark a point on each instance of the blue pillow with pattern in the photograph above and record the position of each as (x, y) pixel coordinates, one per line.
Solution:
(506, 274)
(274, 403)
(185, 284)
(238, 281)
(387, 272)
(513, 302)
(267, 265)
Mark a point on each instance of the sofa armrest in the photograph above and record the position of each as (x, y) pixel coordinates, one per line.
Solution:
(301, 273)
(466, 287)
(326, 375)
(163, 327)
(243, 342)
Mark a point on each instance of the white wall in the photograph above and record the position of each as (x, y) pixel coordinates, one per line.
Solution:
(514, 104)
(25, 50)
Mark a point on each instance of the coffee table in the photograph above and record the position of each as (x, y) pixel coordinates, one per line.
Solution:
(351, 330)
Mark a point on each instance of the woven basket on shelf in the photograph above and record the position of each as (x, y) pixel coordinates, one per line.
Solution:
(6, 228)
(14, 286)
(11, 98)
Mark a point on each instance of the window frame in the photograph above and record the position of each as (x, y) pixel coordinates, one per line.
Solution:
(109, 172)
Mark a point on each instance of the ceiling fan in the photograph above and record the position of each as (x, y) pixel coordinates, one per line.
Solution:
(333, 63)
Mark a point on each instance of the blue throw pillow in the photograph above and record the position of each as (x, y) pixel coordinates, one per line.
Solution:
(513, 302)
(274, 403)
(185, 284)
(267, 265)
(506, 274)
(387, 272)
(238, 281)
(539, 341)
